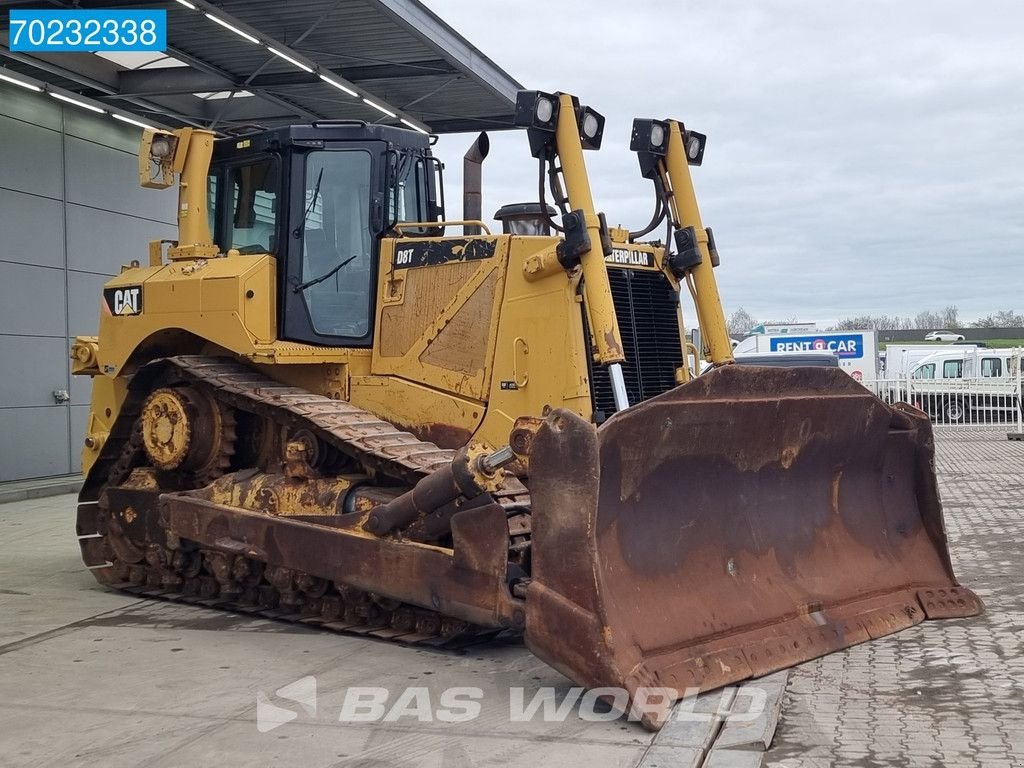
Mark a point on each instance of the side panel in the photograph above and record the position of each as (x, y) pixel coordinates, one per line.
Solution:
(468, 344)
(438, 309)
(229, 301)
(541, 354)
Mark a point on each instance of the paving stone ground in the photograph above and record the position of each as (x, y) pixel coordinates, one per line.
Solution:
(91, 677)
(942, 694)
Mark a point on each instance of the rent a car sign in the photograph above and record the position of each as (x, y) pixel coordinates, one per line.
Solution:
(843, 346)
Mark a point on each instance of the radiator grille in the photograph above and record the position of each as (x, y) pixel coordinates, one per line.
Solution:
(645, 304)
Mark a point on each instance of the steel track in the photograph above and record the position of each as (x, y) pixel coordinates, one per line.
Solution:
(358, 434)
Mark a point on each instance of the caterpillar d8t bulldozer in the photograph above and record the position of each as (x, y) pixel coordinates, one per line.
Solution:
(324, 403)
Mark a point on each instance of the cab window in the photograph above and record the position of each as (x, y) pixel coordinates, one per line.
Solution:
(411, 193)
(926, 371)
(212, 195)
(991, 367)
(953, 369)
(337, 243)
(252, 219)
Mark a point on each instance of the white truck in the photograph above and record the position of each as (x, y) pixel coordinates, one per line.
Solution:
(794, 328)
(899, 360)
(857, 351)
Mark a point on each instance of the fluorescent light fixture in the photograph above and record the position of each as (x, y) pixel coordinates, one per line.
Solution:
(236, 30)
(338, 85)
(187, 4)
(81, 104)
(289, 59)
(132, 121)
(385, 110)
(31, 87)
(413, 126)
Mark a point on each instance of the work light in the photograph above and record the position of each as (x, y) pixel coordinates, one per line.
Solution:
(591, 124)
(649, 136)
(694, 143)
(162, 146)
(544, 109)
(536, 109)
(657, 135)
(537, 112)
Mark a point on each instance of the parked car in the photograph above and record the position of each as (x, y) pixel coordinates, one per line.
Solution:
(944, 336)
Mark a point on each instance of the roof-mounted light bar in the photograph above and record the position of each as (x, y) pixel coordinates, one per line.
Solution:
(236, 30)
(22, 83)
(296, 59)
(411, 124)
(74, 99)
(132, 121)
(77, 103)
(379, 108)
(289, 59)
(339, 86)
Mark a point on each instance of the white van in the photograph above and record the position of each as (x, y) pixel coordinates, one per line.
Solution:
(975, 385)
(965, 363)
(901, 359)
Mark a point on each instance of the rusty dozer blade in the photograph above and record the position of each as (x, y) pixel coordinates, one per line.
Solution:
(741, 523)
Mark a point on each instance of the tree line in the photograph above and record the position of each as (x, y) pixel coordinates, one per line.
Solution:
(740, 322)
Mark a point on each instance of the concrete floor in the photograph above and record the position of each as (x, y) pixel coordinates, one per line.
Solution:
(92, 677)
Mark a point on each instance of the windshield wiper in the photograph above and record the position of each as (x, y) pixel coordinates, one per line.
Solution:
(312, 204)
(310, 283)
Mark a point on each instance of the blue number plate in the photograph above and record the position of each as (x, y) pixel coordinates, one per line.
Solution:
(97, 30)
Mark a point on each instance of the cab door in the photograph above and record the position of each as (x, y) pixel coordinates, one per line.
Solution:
(336, 211)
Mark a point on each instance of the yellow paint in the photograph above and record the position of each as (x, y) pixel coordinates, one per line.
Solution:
(461, 349)
(601, 311)
(107, 397)
(714, 331)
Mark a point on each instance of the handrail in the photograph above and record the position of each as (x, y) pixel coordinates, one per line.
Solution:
(442, 224)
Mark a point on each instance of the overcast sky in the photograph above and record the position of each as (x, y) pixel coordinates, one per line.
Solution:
(863, 157)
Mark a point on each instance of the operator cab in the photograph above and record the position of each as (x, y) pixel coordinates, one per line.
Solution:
(319, 198)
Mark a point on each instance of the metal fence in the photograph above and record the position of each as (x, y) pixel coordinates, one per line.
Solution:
(966, 402)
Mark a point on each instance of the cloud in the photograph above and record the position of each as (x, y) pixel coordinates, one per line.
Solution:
(862, 157)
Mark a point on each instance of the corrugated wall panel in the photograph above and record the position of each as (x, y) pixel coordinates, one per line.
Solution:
(71, 213)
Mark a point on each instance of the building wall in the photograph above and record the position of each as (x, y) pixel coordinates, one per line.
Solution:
(71, 212)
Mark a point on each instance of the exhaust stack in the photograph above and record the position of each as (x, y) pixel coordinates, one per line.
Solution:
(472, 204)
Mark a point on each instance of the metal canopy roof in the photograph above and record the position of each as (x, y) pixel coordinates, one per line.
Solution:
(238, 64)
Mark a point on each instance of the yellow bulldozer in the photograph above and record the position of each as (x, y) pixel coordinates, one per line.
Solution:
(324, 403)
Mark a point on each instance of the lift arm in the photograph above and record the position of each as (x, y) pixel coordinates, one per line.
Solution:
(560, 129)
(596, 287)
(666, 150)
(685, 213)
